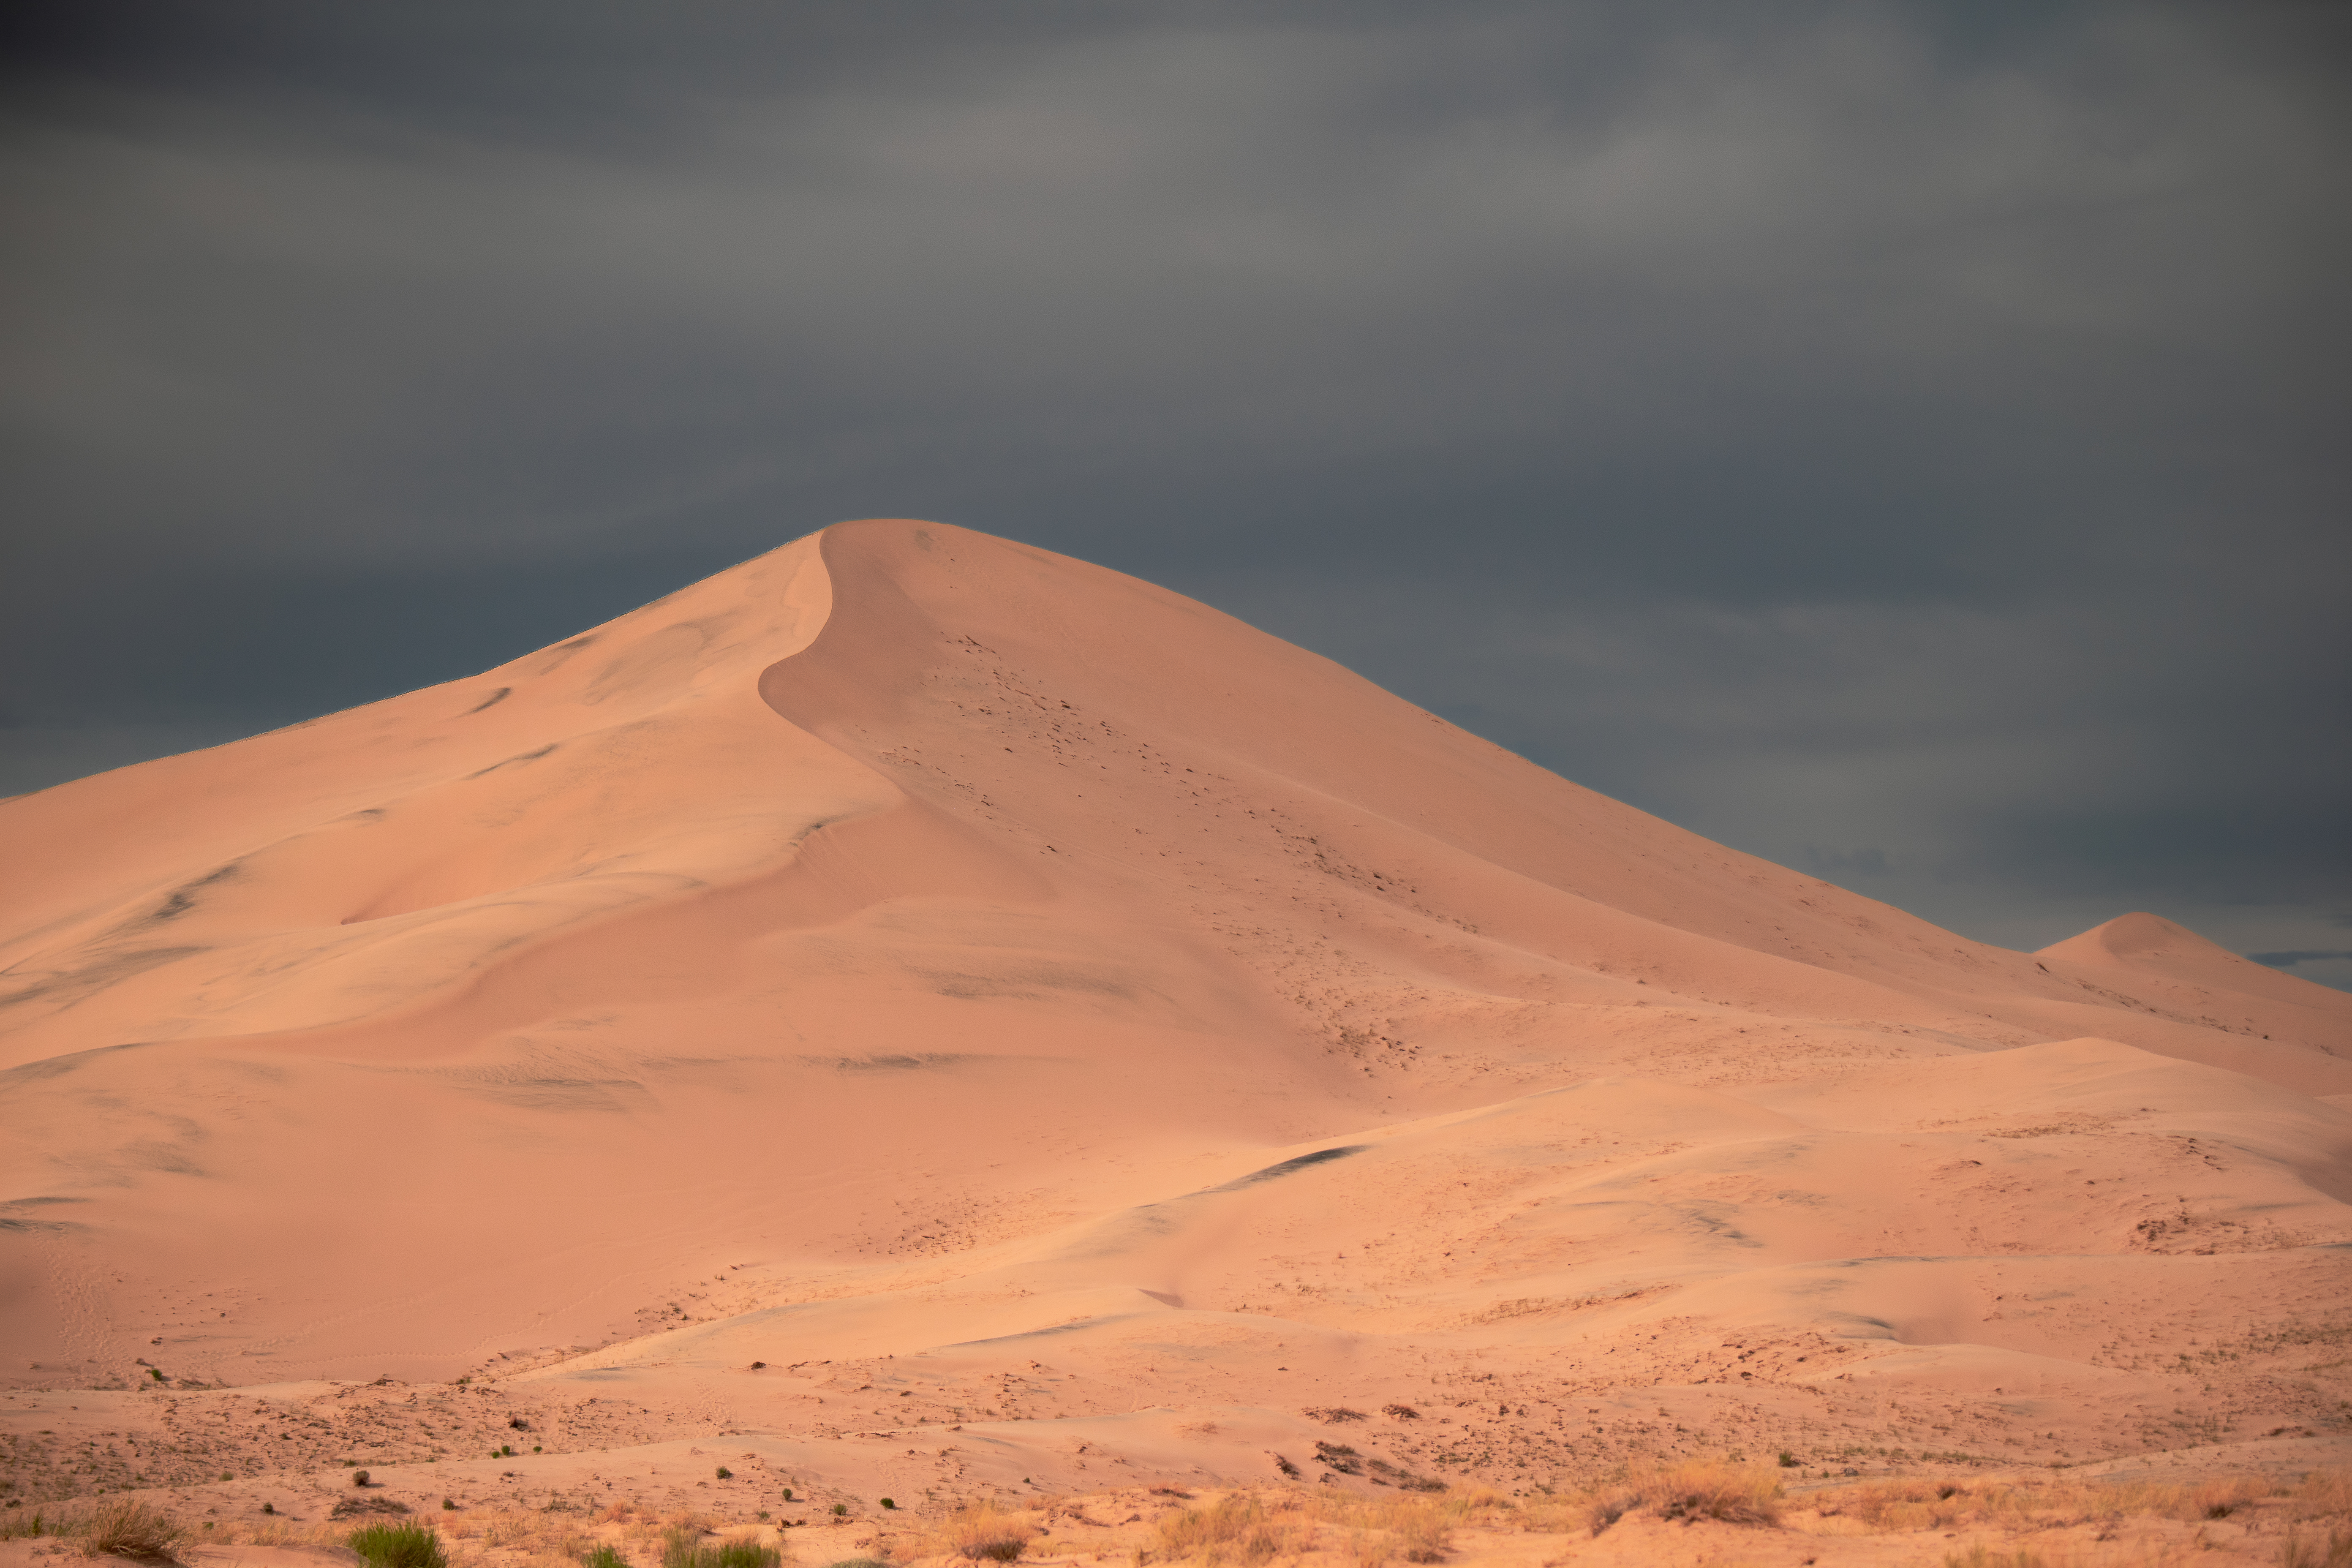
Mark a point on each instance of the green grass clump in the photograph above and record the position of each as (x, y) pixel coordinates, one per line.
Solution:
(741, 1554)
(398, 1546)
(683, 1548)
(603, 1557)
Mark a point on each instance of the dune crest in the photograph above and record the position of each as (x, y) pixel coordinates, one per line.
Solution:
(914, 982)
(333, 869)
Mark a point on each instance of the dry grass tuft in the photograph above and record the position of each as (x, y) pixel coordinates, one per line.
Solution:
(982, 1532)
(277, 1531)
(1694, 1488)
(2123, 1554)
(2326, 1492)
(1916, 1503)
(1252, 1529)
(1912, 1503)
(1419, 1529)
(133, 1529)
(2217, 1498)
(537, 1534)
(2303, 1550)
(1981, 1556)
(1235, 1528)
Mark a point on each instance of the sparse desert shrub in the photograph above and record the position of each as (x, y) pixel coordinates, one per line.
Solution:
(18, 1526)
(398, 1546)
(603, 1556)
(129, 1528)
(358, 1478)
(353, 1507)
(1696, 1488)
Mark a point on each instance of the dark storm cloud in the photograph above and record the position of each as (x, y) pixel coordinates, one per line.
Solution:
(1899, 440)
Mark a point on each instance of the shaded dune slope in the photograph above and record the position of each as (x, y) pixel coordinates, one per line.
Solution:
(913, 943)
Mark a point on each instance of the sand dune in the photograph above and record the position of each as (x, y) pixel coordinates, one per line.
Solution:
(1011, 1001)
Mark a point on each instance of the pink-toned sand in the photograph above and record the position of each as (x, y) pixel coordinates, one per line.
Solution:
(1070, 1037)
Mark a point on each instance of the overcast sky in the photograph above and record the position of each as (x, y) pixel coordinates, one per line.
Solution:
(1905, 441)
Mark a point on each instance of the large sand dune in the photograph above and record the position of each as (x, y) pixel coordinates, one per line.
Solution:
(1006, 999)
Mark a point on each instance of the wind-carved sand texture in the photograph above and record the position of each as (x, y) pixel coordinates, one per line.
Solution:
(920, 1015)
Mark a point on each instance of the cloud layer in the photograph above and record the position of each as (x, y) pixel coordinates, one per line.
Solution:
(1904, 441)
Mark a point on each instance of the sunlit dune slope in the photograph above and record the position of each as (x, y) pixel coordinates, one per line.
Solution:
(2175, 969)
(938, 942)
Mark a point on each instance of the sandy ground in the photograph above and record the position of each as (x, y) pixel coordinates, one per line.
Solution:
(916, 1016)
